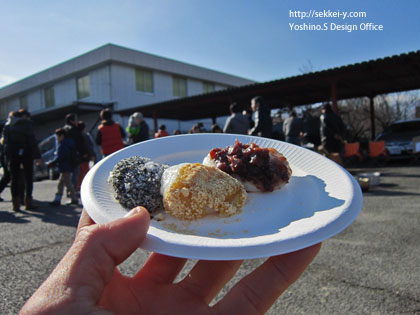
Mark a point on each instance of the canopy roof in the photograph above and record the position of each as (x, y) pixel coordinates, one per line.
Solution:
(370, 78)
(58, 113)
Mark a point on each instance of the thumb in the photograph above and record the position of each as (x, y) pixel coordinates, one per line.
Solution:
(90, 263)
(99, 248)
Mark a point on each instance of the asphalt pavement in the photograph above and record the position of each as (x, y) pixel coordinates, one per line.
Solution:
(372, 267)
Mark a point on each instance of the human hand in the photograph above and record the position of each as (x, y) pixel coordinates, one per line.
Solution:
(87, 280)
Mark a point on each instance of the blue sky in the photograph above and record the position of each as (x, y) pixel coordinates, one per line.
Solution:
(247, 38)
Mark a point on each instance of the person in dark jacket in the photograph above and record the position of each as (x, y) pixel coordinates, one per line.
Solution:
(110, 134)
(74, 132)
(21, 149)
(332, 130)
(90, 156)
(263, 123)
(236, 122)
(137, 128)
(65, 159)
(5, 179)
(292, 128)
(311, 128)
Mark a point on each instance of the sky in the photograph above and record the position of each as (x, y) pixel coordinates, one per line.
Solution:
(258, 40)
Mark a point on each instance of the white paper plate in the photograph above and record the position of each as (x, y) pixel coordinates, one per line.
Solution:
(320, 200)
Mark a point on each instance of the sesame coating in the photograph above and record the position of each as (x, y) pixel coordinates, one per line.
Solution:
(136, 182)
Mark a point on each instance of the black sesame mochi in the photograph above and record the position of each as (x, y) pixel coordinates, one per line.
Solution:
(136, 182)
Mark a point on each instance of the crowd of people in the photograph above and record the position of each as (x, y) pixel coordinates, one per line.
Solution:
(76, 147)
(323, 133)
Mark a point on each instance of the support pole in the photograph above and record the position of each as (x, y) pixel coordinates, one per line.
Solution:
(372, 117)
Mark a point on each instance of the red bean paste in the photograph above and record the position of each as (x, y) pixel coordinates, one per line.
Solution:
(249, 162)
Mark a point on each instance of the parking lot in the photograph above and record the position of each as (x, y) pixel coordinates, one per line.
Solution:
(373, 267)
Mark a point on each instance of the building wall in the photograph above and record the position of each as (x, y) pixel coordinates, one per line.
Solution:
(64, 92)
(108, 83)
(35, 100)
(123, 78)
(100, 85)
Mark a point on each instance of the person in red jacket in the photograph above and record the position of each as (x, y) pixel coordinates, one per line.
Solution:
(110, 134)
(161, 132)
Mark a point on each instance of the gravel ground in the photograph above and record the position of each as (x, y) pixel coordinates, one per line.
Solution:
(373, 267)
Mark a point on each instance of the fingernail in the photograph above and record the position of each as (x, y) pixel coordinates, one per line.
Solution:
(133, 212)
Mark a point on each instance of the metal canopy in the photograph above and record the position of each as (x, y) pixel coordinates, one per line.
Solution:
(366, 79)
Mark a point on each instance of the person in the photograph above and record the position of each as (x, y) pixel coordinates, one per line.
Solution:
(195, 128)
(66, 162)
(247, 112)
(177, 132)
(292, 128)
(311, 127)
(332, 130)
(110, 134)
(5, 178)
(80, 285)
(74, 133)
(137, 128)
(91, 156)
(263, 124)
(21, 150)
(161, 132)
(277, 131)
(236, 122)
(216, 129)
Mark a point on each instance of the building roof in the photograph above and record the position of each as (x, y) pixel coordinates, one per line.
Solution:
(385, 75)
(111, 53)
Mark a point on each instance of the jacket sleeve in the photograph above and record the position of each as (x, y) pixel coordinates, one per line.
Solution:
(144, 132)
(98, 138)
(258, 124)
(36, 154)
(5, 135)
(123, 135)
(87, 145)
(227, 128)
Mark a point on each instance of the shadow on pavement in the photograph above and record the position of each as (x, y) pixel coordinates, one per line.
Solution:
(383, 192)
(12, 217)
(383, 189)
(400, 175)
(60, 215)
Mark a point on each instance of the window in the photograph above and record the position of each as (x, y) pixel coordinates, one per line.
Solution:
(23, 102)
(83, 87)
(144, 80)
(49, 97)
(179, 86)
(208, 87)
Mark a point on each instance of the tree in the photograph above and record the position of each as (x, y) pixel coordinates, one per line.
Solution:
(356, 117)
(388, 108)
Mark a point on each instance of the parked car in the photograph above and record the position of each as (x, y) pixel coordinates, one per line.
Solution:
(399, 136)
(47, 167)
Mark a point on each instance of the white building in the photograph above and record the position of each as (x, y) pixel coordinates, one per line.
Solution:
(107, 76)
